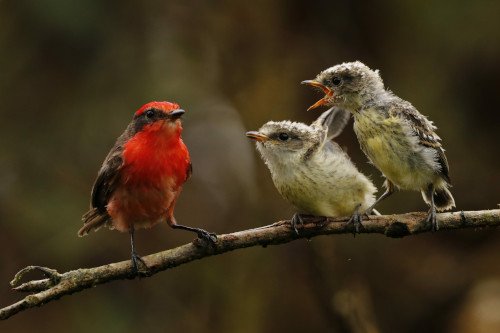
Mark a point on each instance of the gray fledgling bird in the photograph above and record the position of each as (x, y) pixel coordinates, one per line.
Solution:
(397, 139)
(311, 171)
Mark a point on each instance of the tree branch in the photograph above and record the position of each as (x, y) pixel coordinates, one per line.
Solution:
(56, 285)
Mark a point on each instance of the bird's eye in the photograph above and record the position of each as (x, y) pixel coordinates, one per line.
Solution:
(150, 114)
(283, 136)
(336, 81)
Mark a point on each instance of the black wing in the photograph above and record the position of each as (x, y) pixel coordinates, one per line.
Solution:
(107, 179)
(425, 131)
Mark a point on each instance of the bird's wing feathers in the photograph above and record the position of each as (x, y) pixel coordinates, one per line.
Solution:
(443, 161)
(424, 129)
(107, 179)
(334, 119)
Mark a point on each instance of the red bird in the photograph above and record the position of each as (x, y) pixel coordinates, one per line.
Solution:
(142, 176)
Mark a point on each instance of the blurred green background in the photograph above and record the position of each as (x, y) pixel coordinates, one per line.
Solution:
(73, 72)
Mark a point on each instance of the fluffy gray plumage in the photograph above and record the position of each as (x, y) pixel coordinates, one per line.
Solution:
(310, 170)
(397, 139)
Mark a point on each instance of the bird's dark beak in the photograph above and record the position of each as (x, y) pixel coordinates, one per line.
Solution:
(328, 93)
(176, 114)
(257, 136)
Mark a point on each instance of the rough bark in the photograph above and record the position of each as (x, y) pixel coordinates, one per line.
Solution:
(56, 285)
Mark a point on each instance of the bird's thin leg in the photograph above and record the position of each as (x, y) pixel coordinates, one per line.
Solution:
(431, 217)
(135, 258)
(203, 234)
(389, 190)
(356, 219)
(296, 220)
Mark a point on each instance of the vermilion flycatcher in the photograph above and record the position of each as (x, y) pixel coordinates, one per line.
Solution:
(142, 176)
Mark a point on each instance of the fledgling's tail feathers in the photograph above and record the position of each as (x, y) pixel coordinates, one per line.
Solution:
(93, 220)
(443, 200)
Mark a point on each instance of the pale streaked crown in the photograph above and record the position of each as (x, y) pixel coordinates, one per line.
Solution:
(290, 136)
(350, 81)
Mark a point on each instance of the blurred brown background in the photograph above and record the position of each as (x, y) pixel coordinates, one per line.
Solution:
(73, 72)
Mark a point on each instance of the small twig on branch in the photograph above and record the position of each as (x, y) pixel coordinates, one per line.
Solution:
(56, 285)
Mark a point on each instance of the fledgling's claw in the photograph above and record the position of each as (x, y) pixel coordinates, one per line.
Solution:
(356, 220)
(297, 219)
(431, 218)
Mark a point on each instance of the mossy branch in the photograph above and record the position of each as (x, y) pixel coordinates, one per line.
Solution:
(56, 285)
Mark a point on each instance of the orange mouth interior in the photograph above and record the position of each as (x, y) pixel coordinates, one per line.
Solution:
(328, 93)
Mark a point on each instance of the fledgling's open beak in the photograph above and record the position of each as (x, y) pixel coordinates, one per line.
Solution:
(328, 93)
(257, 136)
(176, 114)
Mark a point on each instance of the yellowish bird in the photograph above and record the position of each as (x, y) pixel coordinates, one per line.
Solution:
(311, 171)
(397, 139)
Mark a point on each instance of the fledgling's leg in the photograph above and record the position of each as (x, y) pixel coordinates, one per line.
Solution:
(356, 219)
(296, 220)
(135, 258)
(431, 217)
(388, 191)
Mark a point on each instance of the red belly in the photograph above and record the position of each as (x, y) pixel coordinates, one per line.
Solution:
(141, 206)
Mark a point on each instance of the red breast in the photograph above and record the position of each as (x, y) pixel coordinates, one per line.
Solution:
(154, 153)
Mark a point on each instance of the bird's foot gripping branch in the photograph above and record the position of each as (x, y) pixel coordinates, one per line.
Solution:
(55, 285)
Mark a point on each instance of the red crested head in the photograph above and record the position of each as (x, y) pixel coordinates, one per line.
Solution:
(166, 107)
(157, 117)
(154, 148)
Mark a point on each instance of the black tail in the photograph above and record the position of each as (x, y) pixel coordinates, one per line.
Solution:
(93, 220)
(443, 200)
